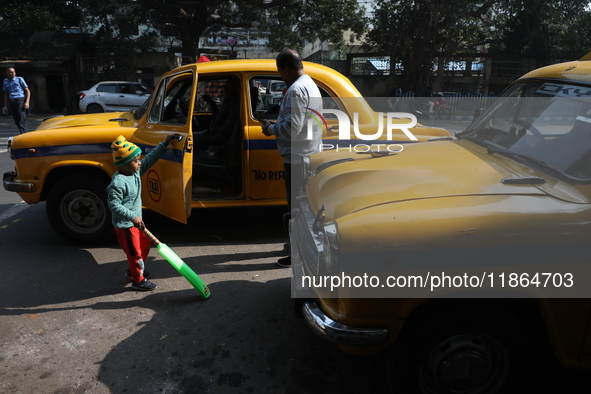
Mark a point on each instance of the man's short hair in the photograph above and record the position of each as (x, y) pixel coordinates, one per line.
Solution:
(289, 58)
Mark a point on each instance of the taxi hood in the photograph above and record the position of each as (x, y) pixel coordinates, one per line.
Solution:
(106, 119)
(421, 171)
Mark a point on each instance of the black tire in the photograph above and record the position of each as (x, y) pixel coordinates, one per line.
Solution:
(444, 113)
(77, 209)
(94, 109)
(473, 351)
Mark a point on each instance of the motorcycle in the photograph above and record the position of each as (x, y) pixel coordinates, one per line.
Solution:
(431, 107)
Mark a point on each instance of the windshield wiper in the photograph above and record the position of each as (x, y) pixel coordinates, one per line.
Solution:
(537, 162)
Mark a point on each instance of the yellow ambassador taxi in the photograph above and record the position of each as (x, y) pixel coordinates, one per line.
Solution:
(467, 258)
(67, 160)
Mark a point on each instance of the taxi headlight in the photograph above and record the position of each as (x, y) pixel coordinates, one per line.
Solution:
(330, 247)
(9, 147)
(306, 169)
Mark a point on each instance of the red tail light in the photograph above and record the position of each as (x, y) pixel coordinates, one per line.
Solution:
(82, 95)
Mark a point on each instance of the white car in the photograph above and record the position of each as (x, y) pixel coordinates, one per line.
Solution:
(112, 96)
(273, 93)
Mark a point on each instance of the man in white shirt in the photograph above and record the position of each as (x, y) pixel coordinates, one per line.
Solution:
(300, 100)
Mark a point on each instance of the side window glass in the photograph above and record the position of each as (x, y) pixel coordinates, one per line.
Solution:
(107, 88)
(328, 102)
(172, 100)
(126, 88)
(213, 95)
(266, 93)
(156, 110)
(210, 95)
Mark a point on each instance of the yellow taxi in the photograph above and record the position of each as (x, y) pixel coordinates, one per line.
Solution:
(67, 160)
(465, 258)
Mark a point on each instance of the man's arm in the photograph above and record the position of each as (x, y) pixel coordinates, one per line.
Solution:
(27, 98)
(282, 127)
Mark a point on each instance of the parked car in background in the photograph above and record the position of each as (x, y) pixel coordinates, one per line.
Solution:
(112, 96)
(273, 93)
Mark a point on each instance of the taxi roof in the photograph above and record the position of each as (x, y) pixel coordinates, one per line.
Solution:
(322, 74)
(248, 65)
(579, 70)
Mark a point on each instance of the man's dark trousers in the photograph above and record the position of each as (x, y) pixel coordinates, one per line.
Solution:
(19, 114)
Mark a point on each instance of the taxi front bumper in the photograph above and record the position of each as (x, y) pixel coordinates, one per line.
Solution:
(327, 328)
(15, 186)
(338, 333)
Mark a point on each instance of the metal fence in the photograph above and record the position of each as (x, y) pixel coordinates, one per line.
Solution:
(460, 105)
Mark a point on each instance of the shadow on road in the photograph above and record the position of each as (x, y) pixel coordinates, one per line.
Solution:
(239, 340)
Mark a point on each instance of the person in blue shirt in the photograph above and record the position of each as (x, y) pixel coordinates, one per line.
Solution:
(16, 99)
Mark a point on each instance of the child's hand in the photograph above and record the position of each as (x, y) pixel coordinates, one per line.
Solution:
(139, 223)
(171, 137)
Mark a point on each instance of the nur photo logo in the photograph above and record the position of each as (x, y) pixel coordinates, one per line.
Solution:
(386, 125)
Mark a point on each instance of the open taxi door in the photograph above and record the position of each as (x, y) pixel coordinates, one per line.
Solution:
(166, 186)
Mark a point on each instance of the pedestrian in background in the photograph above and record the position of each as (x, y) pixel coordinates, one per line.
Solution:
(291, 128)
(16, 99)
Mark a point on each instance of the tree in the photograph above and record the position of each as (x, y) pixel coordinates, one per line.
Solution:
(18, 20)
(288, 21)
(414, 32)
(545, 30)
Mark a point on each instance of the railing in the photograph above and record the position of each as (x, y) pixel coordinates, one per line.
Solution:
(460, 105)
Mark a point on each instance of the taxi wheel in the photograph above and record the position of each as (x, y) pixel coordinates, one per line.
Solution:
(77, 209)
(94, 109)
(475, 351)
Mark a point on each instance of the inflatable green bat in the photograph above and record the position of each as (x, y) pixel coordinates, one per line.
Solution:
(180, 265)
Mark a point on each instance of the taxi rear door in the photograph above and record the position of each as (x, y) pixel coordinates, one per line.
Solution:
(166, 186)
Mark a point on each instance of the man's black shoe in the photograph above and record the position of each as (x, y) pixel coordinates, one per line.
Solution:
(284, 262)
(285, 251)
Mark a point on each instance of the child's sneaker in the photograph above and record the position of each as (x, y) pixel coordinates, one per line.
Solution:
(129, 277)
(144, 285)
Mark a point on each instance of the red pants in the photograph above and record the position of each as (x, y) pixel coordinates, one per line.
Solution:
(136, 246)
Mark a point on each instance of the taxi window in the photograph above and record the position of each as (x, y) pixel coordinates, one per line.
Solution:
(172, 100)
(266, 93)
(211, 93)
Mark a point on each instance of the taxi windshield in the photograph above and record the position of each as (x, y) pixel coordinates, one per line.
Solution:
(543, 124)
(142, 109)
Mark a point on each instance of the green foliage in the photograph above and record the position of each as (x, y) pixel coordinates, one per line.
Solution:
(545, 30)
(18, 18)
(289, 21)
(415, 32)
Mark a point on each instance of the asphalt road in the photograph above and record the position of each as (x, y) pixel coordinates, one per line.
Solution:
(70, 323)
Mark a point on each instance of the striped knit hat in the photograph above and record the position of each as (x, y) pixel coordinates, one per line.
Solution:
(124, 152)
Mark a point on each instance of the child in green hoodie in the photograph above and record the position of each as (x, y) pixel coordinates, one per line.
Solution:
(125, 202)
